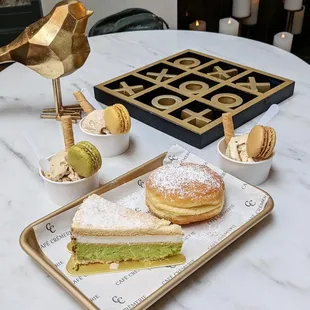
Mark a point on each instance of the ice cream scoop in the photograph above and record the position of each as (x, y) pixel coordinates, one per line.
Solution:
(94, 123)
(236, 149)
(60, 171)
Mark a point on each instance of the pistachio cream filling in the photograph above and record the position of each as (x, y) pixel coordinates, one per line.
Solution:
(124, 252)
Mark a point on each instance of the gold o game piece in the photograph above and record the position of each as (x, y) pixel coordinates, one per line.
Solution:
(187, 62)
(165, 102)
(193, 87)
(228, 99)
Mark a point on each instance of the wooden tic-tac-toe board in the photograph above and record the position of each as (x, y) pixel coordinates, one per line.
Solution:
(185, 95)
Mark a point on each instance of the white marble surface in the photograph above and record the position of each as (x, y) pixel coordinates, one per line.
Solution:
(266, 269)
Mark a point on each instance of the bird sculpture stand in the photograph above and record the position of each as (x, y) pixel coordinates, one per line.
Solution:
(54, 46)
(59, 110)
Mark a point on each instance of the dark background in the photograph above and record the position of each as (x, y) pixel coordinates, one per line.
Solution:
(14, 19)
(271, 20)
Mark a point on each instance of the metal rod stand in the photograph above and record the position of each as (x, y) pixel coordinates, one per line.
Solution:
(59, 110)
(290, 21)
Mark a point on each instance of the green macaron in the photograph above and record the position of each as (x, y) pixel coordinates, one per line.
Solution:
(84, 158)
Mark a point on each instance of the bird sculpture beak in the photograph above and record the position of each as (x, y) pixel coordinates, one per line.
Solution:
(89, 13)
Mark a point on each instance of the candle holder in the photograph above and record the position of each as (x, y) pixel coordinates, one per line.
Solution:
(292, 6)
(250, 22)
(290, 21)
(241, 9)
(295, 21)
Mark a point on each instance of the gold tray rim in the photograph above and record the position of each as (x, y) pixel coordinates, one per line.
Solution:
(36, 253)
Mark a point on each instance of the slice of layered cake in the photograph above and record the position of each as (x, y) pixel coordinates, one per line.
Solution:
(104, 232)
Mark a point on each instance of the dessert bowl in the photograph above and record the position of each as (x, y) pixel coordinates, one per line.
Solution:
(254, 173)
(61, 193)
(108, 145)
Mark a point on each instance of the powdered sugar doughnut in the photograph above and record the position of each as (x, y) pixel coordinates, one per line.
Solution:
(184, 193)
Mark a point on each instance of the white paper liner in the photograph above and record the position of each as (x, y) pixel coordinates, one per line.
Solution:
(127, 289)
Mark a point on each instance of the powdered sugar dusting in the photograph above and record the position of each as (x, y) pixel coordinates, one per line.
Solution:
(184, 180)
(99, 213)
(133, 200)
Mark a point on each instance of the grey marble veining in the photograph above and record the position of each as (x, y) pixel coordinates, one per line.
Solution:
(266, 269)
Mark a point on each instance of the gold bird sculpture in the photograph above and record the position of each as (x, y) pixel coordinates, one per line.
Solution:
(55, 45)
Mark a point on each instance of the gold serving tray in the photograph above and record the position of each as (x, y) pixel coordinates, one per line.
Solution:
(29, 243)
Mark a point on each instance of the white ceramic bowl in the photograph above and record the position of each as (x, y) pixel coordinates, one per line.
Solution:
(108, 145)
(61, 193)
(254, 173)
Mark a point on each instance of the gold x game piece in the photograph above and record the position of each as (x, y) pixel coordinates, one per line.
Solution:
(219, 73)
(127, 90)
(197, 119)
(253, 85)
(162, 76)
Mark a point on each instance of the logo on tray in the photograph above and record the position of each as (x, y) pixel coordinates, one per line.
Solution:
(118, 300)
(50, 228)
(172, 158)
(141, 183)
(250, 203)
(244, 186)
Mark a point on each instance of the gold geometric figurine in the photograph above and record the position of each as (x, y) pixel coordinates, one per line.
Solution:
(253, 85)
(54, 46)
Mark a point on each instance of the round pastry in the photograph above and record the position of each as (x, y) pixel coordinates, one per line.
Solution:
(184, 193)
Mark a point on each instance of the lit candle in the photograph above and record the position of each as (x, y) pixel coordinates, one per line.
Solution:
(283, 40)
(241, 8)
(252, 20)
(293, 5)
(298, 21)
(229, 26)
(198, 25)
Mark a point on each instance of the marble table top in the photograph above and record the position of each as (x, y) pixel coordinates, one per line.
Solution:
(266, 269)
